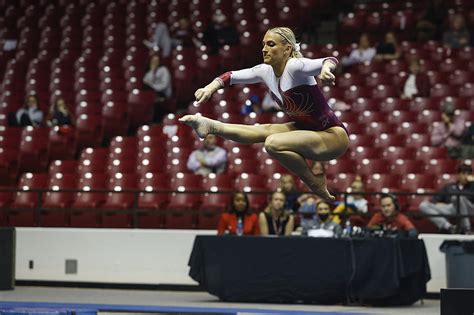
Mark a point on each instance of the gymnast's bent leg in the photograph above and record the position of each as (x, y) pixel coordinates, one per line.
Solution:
(292, 149)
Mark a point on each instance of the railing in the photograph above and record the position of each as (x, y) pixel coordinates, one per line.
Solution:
(135, 211)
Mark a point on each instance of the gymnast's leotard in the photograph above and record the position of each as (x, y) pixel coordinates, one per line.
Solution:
(296, 91)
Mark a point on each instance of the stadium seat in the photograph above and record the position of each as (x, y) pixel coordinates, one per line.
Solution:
(370, 167)
(88, 131)
(33, 149)
(251, 182)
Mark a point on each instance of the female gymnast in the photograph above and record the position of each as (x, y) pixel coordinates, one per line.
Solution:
(315, 133)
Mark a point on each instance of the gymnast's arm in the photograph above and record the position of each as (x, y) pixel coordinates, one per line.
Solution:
(322, 67)
(245, 76)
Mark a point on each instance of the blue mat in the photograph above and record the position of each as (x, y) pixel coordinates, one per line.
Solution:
(45, 308)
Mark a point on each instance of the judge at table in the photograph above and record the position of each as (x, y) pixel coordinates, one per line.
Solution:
(275, 219)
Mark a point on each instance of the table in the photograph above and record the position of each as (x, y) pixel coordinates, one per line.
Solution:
(376, 271)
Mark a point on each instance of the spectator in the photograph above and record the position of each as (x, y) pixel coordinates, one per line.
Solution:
(389, 219)
(183, 34)
(364, 52)
(417, 83)
(208, 159)
(29, 114)
(445, 204)
(161, 40)
(275, 219)
(355, 203)
(220, 32)
(450, 131)
(388, 49)
(288, 187)
(458, 35)
(158, 78)
(59, 114)
(238, 209)
(320, 223)
(431, 21)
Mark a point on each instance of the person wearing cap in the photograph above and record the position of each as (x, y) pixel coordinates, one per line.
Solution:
(417, 83)
(450, 131)
(314, 131)
(444, 203)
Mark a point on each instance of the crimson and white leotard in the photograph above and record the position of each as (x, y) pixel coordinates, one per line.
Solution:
(296, 91)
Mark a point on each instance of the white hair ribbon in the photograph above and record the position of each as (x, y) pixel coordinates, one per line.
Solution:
(297, 47)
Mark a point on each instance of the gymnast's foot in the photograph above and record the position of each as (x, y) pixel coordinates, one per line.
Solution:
(202, 125)
(319, 187)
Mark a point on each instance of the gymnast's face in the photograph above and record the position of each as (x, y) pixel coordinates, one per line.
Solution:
(274, 50)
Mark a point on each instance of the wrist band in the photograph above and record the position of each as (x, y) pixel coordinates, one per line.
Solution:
(224, 79)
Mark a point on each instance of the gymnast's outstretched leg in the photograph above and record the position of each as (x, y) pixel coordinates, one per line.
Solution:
(239, 133)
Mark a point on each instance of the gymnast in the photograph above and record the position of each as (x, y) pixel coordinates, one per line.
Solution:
(314, 133)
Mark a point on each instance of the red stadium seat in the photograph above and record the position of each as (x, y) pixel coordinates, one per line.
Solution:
(33, 149)
(90, 200)
(413, 182)
(446, 166)
(140, 107)
(370, 167)
(88, 131)
(251, 182)
(400, 166)
(383, 183)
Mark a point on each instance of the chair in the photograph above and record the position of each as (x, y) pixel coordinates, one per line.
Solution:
(56, 203)
(33, 149)
(90, 200)
(23, 206)
(179, 211)
(117, 202)
(215, 202)
(427, 153)
(394, 140)
(155, 189)
(140, 107)
(383, 183)
(251, 182)
(394, 153)
(271, 168)
(61, 143)
(186, 182)
(442, 166)
(239, 166)
(376, 129)
(400, 166)
(335, 167)
(114, 119)
(370, 167)
(418, 140)
(29, 181)
(414, 182)
(88, 131)
(218, 183)
(361, 140)
(361, 153)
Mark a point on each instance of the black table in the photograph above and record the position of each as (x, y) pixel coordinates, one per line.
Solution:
(376, 271)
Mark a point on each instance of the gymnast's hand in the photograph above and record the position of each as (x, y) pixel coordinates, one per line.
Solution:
(203, 94)
(326, 76)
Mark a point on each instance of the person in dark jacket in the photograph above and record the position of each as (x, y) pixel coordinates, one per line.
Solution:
(444, 203)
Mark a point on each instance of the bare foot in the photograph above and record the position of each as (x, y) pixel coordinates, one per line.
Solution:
(202, 125)
(319, 187)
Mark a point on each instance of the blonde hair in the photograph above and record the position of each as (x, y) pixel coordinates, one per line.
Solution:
(289, 38)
